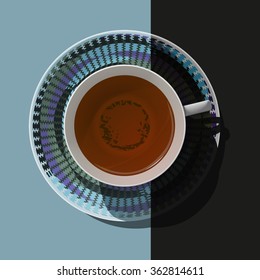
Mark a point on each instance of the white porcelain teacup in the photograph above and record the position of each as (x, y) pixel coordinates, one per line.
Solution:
(179, 114)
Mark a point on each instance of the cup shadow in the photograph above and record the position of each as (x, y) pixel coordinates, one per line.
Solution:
(196, 195)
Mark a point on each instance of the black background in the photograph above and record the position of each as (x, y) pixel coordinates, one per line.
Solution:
(223, 40)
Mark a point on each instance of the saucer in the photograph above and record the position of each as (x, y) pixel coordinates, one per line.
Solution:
(46, 124)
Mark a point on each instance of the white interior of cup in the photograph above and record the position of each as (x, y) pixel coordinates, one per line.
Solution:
(163, 164)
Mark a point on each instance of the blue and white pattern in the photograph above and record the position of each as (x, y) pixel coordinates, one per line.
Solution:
(47, 119)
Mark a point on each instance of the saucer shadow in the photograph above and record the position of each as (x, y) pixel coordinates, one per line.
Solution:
(133, 224)
(195, 199)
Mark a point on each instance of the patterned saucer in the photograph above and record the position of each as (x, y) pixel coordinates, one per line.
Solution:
(58, 84)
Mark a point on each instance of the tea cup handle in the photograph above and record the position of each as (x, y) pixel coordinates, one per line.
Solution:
(197, 108)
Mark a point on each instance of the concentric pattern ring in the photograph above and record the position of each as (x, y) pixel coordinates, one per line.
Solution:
(47, 116)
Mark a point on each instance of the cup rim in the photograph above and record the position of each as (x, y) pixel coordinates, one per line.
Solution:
(158, 168)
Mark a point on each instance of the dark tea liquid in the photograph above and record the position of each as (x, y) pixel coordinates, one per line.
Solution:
(124, 125)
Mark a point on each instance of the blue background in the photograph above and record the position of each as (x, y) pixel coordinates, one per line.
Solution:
(35, 222)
